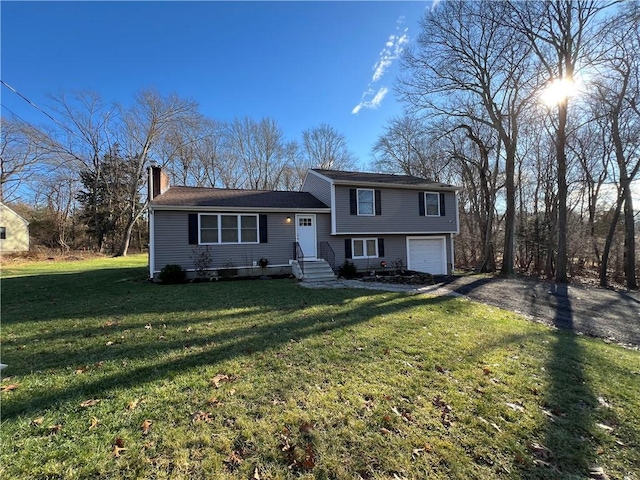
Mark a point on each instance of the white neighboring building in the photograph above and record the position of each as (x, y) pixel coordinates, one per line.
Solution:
(14, 231)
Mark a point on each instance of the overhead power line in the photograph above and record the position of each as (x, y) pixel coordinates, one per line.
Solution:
(35, 106)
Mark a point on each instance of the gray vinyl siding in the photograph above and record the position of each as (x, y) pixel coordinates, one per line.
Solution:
(399, 213)
(172, 241)
(395, 248)
(319, 188)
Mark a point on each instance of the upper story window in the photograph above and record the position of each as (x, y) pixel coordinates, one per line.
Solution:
(432, 204)
(3, 233)
(228, 229)
(366, 202)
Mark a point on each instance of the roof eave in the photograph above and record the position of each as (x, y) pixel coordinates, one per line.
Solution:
(420, 186)
(216, 208)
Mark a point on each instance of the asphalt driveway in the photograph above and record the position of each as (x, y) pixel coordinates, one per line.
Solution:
(607, 314)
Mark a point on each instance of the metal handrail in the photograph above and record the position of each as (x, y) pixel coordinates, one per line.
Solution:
(298, 255)
(327, 253)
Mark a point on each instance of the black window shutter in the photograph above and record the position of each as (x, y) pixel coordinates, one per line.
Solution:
(421, 204)
(263, 229)
(442, 204)
(353, 203)
(378, 204)
(381, 247)
(193, 229)
(347, 248)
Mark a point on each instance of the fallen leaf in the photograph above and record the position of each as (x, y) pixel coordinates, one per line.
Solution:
(81, 370)
(515, 406)
(541, 463)
(146, 425)
(306, 427)
(89, 403)
(201, 416)
(519, 459)
(118, 442)
(540, 450)
(486, 370)
(309, 460)
(598, 473)
(94, 423)
(234, 460)
(256, 474)
(110, 323)
(37, 421)
(53, 429)
(133, 404)
(440, 369)
(603, 402)
(10, 387)
(117, 450)
(386, 431)
(109, 343)
(219, 378)
(148, 326)
(606, 428)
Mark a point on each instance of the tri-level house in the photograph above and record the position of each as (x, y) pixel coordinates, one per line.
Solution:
(374, 220)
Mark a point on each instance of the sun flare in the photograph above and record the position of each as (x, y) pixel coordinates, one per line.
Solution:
(558, 91)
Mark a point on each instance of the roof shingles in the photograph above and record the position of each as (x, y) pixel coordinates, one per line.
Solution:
(220, 197)
(380, 178)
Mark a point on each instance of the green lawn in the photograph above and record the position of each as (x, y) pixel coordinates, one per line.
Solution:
(113, 377)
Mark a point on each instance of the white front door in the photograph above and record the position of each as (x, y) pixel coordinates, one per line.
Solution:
(306, 235)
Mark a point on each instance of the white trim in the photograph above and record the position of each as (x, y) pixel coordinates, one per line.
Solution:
(429, 237)
(219, 209)
(453, 258)
(333, 209)
(330, 180)
(395, 233)
(373, 202)
(238, 228)
(364, 248)
(315, 235)
(457, 216)
(437, 194)
(152, 244)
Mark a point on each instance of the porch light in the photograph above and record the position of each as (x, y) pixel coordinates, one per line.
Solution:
(288, 219)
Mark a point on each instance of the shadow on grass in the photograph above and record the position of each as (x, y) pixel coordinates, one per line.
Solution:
(288, 307)
(570, 402)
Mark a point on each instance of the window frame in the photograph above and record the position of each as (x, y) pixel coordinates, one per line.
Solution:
(3, 233)
(373, 202)
(238, 228)
(364, 248)
(426, 205)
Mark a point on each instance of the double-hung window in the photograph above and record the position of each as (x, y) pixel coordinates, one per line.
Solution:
(365, 248)
(366, 202)
(220, 228)
(431, 204)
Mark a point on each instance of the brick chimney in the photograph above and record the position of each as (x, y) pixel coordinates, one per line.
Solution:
(158, 181)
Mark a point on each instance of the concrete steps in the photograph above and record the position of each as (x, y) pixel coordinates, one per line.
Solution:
(314, 271)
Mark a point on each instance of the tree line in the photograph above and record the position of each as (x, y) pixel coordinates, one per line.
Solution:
(547, 187)
(533, 108)
(88, 170)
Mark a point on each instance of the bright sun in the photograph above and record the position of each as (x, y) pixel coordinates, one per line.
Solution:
(558, 91)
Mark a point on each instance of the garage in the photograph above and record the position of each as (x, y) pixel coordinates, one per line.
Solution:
(427, 255)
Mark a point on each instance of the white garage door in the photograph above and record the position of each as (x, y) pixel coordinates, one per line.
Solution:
(427, 255)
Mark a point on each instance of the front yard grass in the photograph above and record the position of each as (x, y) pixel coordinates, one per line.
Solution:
(113, 377)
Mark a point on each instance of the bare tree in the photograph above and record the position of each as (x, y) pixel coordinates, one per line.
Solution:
(560, 33)
(324, 147)
(144, 123)
(471, 67)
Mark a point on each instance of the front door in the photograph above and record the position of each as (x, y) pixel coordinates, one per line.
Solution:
(306, 235)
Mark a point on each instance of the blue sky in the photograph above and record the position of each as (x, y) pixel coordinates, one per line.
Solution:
(300, 63)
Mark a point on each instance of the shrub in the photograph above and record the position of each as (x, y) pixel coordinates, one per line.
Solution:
(172, 274)
(348, 270)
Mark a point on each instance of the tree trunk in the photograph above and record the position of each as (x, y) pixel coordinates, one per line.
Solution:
(608, 242)
(629, 240)
(510, 215)
(561, 139)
